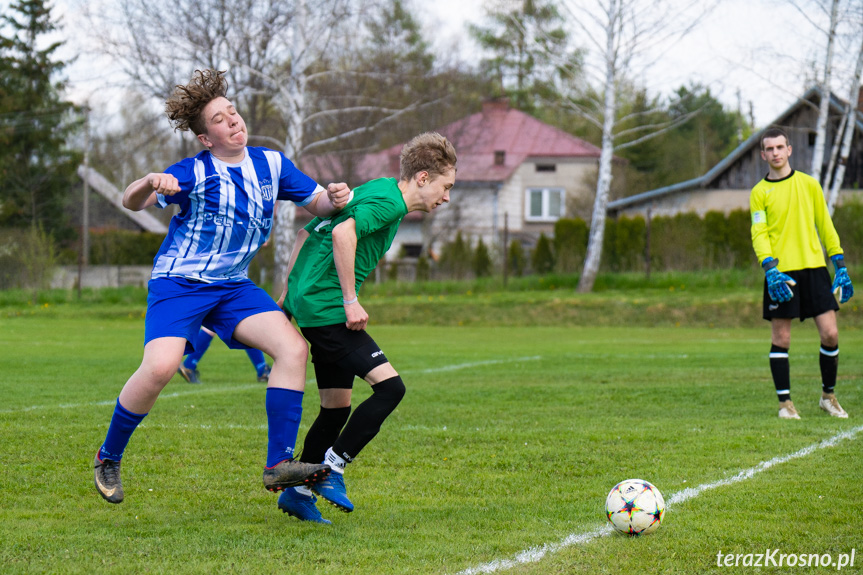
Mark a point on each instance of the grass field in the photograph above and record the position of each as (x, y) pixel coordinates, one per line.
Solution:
(497, 461)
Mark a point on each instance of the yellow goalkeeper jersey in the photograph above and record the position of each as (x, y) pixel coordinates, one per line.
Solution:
(788, 218)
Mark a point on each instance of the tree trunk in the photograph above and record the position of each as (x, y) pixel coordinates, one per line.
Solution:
(850, 125)
(824, 108)
(606, 156)
(292, 107)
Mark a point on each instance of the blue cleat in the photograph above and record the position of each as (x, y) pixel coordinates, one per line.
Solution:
(301, 506)
(332, 488)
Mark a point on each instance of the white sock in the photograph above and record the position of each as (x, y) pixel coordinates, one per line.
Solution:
(334, 461)
(303, 490)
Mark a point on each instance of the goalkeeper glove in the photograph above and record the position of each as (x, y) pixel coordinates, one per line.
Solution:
(777, 282)
(841, 282)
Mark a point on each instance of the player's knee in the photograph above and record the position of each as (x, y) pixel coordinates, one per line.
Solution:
(392, 390)
(830, 338)
(292, 354)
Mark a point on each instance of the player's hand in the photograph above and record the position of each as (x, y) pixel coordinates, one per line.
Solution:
(340, 194)
(357, 316)
(841, 282)
(778, 285)
(165, 184)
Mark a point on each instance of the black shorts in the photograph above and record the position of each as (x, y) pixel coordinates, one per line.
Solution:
(813, 295)
(340, 354)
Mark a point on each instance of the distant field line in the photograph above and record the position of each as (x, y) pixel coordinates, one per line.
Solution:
(535, 554)
(198, 391)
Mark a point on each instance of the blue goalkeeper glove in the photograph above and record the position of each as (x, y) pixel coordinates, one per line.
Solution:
(841, 282)
(777, 282)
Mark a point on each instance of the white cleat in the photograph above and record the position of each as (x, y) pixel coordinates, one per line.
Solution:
(788, 411)
(829, 404)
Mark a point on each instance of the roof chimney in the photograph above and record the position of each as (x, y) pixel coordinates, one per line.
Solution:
(492, 105)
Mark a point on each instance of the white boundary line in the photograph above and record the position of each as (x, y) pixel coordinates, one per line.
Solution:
(200, 391)
(535, 554)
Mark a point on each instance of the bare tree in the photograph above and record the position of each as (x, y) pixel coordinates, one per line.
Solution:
(625, 38)
(278, 54)
(825, 79)
(847, 129)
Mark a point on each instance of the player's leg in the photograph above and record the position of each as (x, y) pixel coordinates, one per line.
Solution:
(258, 360)
(161, 358)
(270, 332)
(188, 370)
(335, 408)
(780, 367)
(829, 362)
(334, 387)
(368, 361)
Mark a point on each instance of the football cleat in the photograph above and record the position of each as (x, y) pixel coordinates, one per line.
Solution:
(264, 376)
(829, 404)
(332, 488)
(301, 506)
(291, 473)
(190, 375)
(107, 479)
(788, 411)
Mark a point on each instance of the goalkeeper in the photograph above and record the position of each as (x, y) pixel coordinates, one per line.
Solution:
(790, 223)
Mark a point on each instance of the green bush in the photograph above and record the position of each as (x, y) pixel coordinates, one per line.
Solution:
(515, 259)
(542, 258)
(456, 257)
(27, 259)
(482, 265)
(570, 244)
(123, 247)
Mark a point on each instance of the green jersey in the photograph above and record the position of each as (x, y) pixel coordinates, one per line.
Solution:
(314, 293)
(789, 216)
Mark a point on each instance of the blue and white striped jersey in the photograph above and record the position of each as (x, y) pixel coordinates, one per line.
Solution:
(226, 212)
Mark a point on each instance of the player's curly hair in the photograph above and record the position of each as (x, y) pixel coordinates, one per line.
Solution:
(430, 152)
(185, 105)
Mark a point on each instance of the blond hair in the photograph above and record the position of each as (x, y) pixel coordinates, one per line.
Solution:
(428, 152)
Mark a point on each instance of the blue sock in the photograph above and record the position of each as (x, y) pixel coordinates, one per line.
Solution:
(256, 356)
(202, 343)
(123, 424)
(284, 411)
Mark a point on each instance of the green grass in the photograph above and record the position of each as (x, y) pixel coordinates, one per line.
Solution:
(509, 439)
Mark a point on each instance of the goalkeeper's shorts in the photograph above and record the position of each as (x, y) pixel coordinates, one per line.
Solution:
(813, 295)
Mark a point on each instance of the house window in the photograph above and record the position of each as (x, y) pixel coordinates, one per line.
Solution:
(412, 250)
(545, 204)
(546, 168)
(499, 157)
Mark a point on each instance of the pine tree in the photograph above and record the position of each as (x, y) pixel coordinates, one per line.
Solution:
(37, 168)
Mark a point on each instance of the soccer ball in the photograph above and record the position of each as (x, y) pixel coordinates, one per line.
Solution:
(635, 507)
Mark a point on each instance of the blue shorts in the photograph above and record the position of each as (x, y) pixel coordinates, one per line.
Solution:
(177, 307)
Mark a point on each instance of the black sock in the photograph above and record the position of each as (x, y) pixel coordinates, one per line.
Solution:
(781, 372)
(366, 421)
(324, 432)
(829, 360)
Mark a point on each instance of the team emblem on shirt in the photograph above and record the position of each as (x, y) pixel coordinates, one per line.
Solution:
(266, 188)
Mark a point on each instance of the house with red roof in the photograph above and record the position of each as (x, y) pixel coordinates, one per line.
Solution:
(516, 175)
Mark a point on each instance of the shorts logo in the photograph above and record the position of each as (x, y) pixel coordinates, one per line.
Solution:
(773, 307)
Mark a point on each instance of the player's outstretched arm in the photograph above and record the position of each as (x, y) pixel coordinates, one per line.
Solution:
(344, 255)
(778, 283)
(842, 285)
(327, 204)
(141, 193)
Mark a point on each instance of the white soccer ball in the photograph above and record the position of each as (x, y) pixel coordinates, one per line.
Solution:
(635, 507)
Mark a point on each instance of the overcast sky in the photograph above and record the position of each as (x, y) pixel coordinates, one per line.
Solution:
(752, 50)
